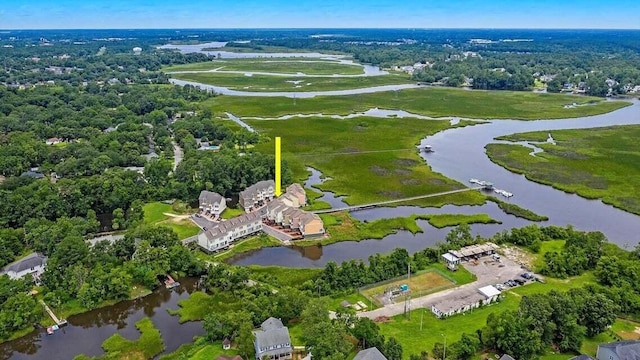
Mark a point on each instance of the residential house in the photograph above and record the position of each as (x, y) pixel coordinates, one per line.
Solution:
(506, 357)
(33, 174)
(211, 202)
(484, 296)
(53, 141)
(296, 190)
(308, 224)
(226, 232)
(257, 195)
(370, 354)
(272, 340)
(32, 264)
(582, 357)
(226, 344)
(621, 350)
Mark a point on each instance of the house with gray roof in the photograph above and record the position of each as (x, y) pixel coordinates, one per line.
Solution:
(257, 194)
(211, 202)
(506, 357)
(226, 232)
(370, 354)
(272, 340)
(620, 350)
(32, 264)
(582, 357)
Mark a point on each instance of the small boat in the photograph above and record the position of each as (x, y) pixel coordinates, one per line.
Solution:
(50, 330)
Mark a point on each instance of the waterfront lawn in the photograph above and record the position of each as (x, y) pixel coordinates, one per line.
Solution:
(201, 349)
(599, 163)
(242, 246)
(341, 226)
(282, 276)
(261, 83)
(282, 65)
(447, 220)
(435, 102)
(367, 159)
(148, 345)
(199, 304)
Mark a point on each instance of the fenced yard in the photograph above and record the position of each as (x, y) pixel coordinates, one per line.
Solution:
(420, 284)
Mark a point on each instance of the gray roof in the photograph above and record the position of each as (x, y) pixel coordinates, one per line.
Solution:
(253, 190)
(506, 357)
(629, 349)
(225, 227)
(370, 354)
(271, 323)
(210, 197)
(582, 357)
(272, 337)
(33, 174)
(28, 262)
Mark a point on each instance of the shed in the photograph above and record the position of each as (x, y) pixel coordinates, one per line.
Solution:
(489, 292)
(226, 344)
(451, 259)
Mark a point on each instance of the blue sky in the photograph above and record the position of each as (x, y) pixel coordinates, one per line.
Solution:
(91, 14)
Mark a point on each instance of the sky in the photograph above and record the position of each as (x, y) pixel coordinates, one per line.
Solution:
(145, 14)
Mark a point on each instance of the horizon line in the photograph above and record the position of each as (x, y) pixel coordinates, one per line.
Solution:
(317, 28)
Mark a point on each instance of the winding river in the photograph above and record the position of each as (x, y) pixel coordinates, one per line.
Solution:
(460, 155)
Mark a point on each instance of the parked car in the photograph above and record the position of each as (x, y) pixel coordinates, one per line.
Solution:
(500, 287)
(519, 281)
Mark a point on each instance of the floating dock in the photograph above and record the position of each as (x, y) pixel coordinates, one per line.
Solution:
(59, 322)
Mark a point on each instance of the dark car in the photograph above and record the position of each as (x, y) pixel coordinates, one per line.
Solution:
(519, 281)
(526, 276)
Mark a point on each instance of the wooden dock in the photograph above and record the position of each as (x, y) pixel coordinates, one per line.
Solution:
(59, 322)
(382, 203)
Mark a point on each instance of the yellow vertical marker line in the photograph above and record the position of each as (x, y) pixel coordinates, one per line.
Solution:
(278, 169)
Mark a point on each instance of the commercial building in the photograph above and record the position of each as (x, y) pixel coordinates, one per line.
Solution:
(484, 296)
(474, 251)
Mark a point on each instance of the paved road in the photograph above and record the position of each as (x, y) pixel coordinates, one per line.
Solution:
(177, 155)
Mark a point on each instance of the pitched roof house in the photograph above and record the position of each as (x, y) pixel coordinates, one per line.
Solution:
(212, 202)
(370, 354)
(621, 350)
(272, 340)
(257, 194)
(32, 264)
(226, 232)
(296, 190)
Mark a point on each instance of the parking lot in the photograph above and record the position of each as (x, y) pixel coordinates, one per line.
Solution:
(202, 221)
(488, 270)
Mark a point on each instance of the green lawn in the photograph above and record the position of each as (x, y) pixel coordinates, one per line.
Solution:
(281, 65)
(231, 212)
(597, 163)
(260, 83)
(147, 346)
(154, 213)
(200, 350)
(242, 246)
(367, 159)
(199, 304)
(436, 102)
(282, 276)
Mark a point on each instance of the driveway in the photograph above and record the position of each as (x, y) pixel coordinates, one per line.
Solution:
(488, 271)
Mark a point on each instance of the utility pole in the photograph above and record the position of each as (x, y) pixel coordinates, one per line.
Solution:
(421, 317)
(444, 352)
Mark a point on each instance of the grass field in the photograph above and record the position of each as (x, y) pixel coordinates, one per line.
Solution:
(420, 284)
(155, 214)
(597, 163)
(368, 159)
(426, 101)
(283, 276)
(279, 65)
(199, 304)
(293, 83)
(231, 212)
(200, 350)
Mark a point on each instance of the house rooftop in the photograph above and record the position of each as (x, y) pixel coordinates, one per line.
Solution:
(506, 357)
(30, 261)
(370, 354)
(489, 291)
(474, 250)
(629, 349)
(210, 197)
